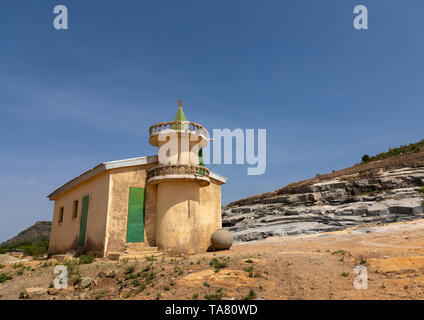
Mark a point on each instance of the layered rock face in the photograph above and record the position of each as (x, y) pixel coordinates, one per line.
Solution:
(331, 203)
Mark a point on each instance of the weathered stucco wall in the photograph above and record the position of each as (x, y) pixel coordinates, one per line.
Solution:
(210, 211)
(64, 236)
(178, 217)
(121, 180)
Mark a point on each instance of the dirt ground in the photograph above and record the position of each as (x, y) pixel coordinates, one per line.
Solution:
(319, 266)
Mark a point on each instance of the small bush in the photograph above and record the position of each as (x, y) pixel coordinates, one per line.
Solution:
(345, 274)
(206, 284)
(217, 264)
(4, 277)
(77, 280)
(150, 277)
(129, 269)
(72, 266)
(87, 259)
(100, 294)
(339, 252)
(365, 158)
(213, 296)
(251, 295)
(195, 296)
(136, 283)
(141, 288)
(411, 148)
(250, 270)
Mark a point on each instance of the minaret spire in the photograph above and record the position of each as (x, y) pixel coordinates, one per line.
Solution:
(180, 116)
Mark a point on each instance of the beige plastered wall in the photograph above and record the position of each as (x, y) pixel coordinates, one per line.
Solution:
(64, 236)
(120, 181)
(187, 215)
(210, 211)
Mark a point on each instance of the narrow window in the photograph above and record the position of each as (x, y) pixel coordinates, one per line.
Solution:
(75, 209)
(61, 215)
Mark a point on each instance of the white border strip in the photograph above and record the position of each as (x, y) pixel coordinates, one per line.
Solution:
(115, 165)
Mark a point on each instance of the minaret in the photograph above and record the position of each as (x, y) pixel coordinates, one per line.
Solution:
(179, 177)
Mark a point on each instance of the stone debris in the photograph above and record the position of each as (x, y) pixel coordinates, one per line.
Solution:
(86, 282)
(29, 293)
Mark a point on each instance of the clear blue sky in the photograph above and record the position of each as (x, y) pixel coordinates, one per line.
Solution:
(325, 92)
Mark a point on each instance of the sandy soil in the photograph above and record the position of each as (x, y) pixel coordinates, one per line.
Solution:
(319, 266)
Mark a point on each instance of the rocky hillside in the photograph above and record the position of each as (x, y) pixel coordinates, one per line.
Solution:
(382, 191)
(40, 231)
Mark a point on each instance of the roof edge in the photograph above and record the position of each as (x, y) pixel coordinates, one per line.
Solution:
(104, 166)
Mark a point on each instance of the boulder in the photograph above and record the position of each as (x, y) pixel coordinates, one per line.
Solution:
(86, 282)
(114, 256)
(53, 291)
(29, 293)
(62, 257)
(221, 239)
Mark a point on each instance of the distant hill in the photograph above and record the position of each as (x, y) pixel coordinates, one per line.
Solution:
(39, 232)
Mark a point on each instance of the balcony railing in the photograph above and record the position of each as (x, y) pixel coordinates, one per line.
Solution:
(178, 171)
(178, 125)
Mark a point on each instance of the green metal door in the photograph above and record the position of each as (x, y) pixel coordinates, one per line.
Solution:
(135, 226)
(83, 224)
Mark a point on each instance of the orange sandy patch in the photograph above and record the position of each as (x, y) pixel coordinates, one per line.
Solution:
(230, 279)
(398, 264)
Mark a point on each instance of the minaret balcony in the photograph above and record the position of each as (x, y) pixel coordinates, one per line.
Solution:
(178, 172)
(179, 127)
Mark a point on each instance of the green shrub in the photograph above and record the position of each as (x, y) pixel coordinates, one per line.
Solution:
(100, 294)
(214, 296)
(77, 280)
(87, 259)
(251, 295)
(217, 264)
(136, 283)
(33, 248)
(72, 266)
(4, 277)
(250, 270)
(410, 148)
(129, 269)
(365, 158)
